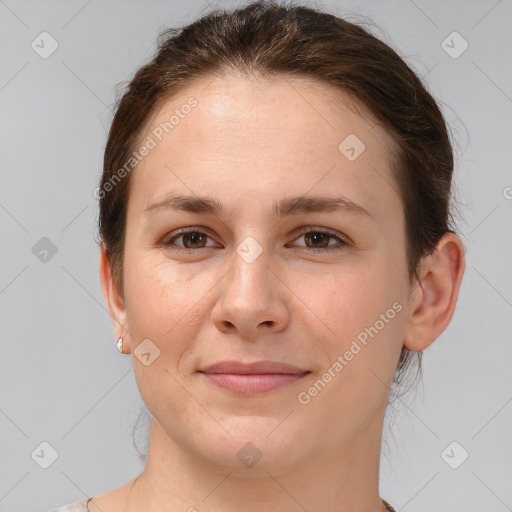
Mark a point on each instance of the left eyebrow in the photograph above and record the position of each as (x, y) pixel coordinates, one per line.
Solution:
(284, 208)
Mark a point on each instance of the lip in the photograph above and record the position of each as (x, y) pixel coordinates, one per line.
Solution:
(256, 368)
(252, 378)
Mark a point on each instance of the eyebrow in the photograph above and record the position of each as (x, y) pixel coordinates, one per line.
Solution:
(286, 207)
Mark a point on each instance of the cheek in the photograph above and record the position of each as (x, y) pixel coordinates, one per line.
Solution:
(345, 300)
(362, 311)
(163, 304)
(360, 346)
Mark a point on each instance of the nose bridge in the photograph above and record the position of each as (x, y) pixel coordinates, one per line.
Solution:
(250, 295)
(250, 273)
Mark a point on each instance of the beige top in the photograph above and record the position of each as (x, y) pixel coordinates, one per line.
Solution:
(77, 506)
(81, 506)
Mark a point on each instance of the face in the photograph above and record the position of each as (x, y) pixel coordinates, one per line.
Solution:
(302, 262)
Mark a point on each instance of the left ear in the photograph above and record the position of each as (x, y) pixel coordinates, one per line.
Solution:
(432, 301)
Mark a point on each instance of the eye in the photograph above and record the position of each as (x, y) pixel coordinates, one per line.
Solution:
(316, 240)
(319, 240)
(191, 239)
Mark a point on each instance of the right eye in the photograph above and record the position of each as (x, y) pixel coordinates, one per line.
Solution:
(191, 239)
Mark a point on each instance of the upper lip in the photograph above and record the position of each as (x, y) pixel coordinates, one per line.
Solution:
(256, 368)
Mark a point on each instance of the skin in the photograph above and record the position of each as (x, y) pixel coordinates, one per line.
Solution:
(249, 143)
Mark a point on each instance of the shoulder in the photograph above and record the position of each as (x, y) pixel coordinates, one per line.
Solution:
(113, 501)
(77, 506)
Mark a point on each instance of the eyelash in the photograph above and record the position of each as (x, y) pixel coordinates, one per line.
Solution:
(342, 243)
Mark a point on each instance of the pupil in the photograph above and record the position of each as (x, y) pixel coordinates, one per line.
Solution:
(315, 240)
(194, 238)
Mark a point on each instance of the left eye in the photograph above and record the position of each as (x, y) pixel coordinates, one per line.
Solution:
(319, 239)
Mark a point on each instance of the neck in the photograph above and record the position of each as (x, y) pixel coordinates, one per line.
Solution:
(344, 478)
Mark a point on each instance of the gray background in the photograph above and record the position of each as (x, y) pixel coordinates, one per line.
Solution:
(62, 380)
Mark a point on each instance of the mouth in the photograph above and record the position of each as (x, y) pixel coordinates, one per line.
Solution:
(252, 378)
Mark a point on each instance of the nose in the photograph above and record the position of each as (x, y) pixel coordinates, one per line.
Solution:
(253, 301)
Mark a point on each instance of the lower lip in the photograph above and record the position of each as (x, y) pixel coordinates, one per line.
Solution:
(253, 384)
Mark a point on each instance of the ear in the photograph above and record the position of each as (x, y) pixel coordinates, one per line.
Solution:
(114, 299)
(432, 301)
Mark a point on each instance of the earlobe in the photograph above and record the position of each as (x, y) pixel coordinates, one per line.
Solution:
(433, 300)
(113, 298)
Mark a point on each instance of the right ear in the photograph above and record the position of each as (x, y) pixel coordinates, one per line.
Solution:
(113, 298)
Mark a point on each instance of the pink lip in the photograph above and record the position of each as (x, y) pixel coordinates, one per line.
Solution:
(258, 377)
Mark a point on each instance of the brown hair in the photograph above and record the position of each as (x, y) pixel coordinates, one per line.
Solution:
(269, 39)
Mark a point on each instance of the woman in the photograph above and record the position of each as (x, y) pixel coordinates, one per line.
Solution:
(276, 249)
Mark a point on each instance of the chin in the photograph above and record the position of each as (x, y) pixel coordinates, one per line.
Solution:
(256, 444)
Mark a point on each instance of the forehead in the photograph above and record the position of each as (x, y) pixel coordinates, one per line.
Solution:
(258, 104)
(264, 136)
